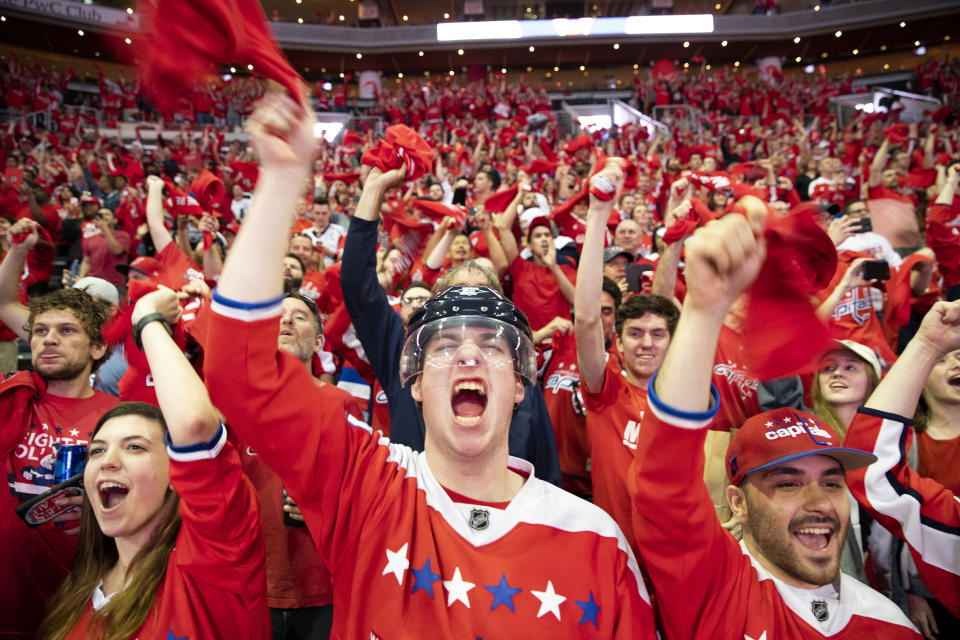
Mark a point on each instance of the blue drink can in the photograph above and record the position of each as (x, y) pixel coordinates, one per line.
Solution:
(71, 459)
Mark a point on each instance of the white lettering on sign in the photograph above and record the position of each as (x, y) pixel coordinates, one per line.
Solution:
(76, 12)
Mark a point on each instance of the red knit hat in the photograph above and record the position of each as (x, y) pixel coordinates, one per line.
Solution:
(775, 437)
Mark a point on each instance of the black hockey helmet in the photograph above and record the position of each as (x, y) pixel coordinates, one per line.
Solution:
(458, 308)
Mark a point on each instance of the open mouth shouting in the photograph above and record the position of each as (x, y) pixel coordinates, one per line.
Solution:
(111, 494)
(815, 536)
(954, 381)
(468, 402)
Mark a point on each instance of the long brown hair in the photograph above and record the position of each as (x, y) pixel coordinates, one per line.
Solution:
(921, 416)
(824, 410)
(97, 554)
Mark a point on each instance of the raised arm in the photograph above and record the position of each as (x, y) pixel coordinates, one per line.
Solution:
(587, 324)
(949, 189)
(284, 169)
(158, 231)
(929, 144)
(878, 163)
(447, 232)
(507, 240)
(723, 258)
(919, 510)
(190, 416)
(497, 255)
(12, 312)
(686, 549)
(678, 207)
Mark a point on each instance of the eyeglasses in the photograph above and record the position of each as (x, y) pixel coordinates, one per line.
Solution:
(406, 302)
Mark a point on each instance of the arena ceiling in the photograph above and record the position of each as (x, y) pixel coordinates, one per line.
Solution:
(593, 54)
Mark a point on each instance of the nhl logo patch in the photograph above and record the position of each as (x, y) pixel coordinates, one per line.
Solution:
(479, 519)
(820, 611)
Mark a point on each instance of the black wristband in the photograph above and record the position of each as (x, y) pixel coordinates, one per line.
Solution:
(144, 321)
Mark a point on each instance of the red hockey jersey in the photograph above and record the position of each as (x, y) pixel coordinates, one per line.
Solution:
(916, 509)
(215, 585)
(708, 585)
(407, 561)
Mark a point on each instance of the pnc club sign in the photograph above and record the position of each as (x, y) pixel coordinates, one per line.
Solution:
(72, 11)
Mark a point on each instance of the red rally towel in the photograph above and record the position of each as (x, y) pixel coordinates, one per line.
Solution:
(699, 214)
(562, 216)
(547, 149)
(247, 174)
(781, 327)
(352, 137)
(44, 236)
(539, 165)
(188, 39)
(210, 194)
(410, 235)
(18, 391)
(180, 203)
(499, 201)
(438, 210)
(348, 178)
(896, 308)
(402, 145)
(897, 133)
(580, 142)
(134, 385)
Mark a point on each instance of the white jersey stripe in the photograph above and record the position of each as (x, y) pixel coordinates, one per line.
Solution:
(939, 548)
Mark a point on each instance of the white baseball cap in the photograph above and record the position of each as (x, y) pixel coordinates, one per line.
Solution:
(99, 289)
(862, 351)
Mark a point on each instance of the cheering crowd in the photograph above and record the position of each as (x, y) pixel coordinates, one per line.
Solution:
(371, 389)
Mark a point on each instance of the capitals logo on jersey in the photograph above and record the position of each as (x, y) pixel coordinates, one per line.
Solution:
(738, 377)
(855, 304)
(560, 380)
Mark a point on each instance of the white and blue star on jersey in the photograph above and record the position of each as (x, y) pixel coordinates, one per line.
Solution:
(503, 592)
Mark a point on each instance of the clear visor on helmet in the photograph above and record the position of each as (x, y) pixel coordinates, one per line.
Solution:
(468, 341)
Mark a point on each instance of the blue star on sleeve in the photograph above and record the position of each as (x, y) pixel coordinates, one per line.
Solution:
(502, 593)
(590, 611)
(172, 636)
(424, 578)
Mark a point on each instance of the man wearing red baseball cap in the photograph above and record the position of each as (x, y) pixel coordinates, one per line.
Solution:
(786, 471)
(142, 268)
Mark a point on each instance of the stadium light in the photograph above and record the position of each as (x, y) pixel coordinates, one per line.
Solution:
(563, 27)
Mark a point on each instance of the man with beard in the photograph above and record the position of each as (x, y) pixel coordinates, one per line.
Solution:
(51, 406)
(786, 472)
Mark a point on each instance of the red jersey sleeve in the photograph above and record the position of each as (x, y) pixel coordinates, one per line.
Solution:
(685, 549)
(918, 510)
(336, 459)
(218, 507)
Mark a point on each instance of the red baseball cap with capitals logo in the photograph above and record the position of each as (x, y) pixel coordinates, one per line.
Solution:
(776, 437)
